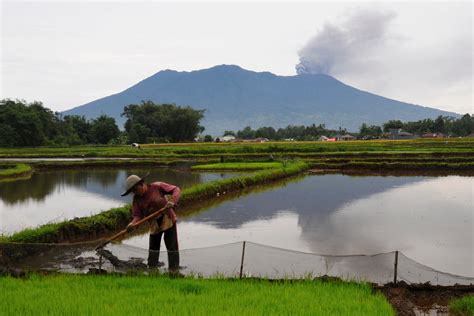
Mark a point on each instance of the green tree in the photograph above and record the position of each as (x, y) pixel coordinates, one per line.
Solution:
(368, 132)
(104, 129)
(438, 125)
(228, 133)
(246, 133)
(31, 123)
(138, 133)
(164, 122)
(80, 126)
(464, 126)
(397, 124)
(266, 132)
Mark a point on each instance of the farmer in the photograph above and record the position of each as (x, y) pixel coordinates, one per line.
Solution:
(149, 198)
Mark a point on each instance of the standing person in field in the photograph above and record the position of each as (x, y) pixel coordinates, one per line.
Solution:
(149, 198)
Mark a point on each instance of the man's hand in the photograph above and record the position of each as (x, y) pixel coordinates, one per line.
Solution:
(170, 204)
(130, 227)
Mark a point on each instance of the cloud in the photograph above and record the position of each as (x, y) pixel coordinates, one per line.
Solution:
(398, 56)
(350, 45)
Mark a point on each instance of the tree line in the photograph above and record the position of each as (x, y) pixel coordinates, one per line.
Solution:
(32, 124)
(448, 126)
(296, 132)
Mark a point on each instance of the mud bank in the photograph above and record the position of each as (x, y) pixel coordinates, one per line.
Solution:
(421, 299)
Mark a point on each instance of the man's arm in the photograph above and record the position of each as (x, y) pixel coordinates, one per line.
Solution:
(174, 190)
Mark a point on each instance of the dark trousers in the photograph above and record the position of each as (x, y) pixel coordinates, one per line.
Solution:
(171, 243)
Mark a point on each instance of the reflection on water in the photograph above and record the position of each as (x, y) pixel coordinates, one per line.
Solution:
(429, 219)
(58, 195)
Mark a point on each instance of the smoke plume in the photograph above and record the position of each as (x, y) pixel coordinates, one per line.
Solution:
(350, 45)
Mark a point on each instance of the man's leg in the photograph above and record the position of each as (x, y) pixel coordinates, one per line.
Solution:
(171, 242)
(154, 249)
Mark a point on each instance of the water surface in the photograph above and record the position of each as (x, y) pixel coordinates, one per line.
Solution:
(58, 195)
(428, 218)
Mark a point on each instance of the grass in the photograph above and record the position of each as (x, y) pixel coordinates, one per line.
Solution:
(139, 295)
(393, 165)
(422, 146)
(75, 229)
(8, 171)
(238, 166)
(462, 306)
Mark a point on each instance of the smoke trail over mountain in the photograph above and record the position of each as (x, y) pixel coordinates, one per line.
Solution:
(349, 45)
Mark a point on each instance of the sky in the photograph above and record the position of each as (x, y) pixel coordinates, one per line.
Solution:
(68, 53)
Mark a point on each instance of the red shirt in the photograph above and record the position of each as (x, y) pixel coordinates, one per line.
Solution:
(153, 200)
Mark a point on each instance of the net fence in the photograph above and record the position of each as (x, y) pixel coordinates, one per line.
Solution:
(240, 259)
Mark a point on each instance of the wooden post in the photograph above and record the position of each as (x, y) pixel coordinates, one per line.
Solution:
(242, 261)
(395, 269)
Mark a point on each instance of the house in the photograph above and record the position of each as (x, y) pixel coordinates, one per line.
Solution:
(397, 133)
(227, 138)
(256, 140)
(326, 139)
(344, 137)
(433, 135)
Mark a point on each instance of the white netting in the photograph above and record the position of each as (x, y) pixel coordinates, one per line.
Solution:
(411, 271)
(225, 261)
(274, 263)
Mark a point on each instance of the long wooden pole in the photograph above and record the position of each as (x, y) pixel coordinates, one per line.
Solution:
(134, 226)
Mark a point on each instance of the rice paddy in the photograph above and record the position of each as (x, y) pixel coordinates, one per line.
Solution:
(462, 306)
(448, 146)
(145, 295)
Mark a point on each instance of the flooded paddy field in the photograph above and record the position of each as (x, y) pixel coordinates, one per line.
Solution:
(428, 218)
(51, 196)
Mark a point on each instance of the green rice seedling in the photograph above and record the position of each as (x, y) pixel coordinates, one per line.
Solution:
(462, 306)
(422, 146)
(238, 166)
(127, 295)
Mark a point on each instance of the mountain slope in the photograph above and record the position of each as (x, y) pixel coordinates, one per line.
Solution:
(234, 98)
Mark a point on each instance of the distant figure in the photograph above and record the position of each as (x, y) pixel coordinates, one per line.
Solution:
(136, 145)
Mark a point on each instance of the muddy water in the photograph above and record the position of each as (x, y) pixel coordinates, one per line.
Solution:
(59, 195)
(428, 218)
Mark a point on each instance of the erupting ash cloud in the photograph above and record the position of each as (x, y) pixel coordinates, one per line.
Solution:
(348, 46)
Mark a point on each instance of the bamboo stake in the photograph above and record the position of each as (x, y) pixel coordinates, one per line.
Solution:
(242, 261)
(395, 268)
